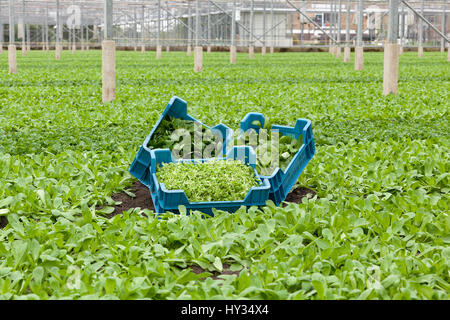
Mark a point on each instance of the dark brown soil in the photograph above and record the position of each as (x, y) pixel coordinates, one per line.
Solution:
(142, 199)
(296, 195)
(3, 222)
(226, 271)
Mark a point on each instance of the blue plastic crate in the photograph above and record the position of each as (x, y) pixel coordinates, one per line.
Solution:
(176, 108)
(281, 181)
(169, 200)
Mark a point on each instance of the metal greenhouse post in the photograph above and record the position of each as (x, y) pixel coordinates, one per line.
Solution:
(1, 32)
(390, 79)
(338, 30)
(359, 50)
(208, 50)
(158, 35)
(58, 33)
(24, 48)
(272, 32)
(142, 30)
(198, 49)
(251, 48)
(46, 29)
(74, 44)
(443, 24)
(69, 37)
(233, 35)
(28, 37)
(170, 21)
(12, 58)
(263, 49)
(402, 30)
(347, 48)
(420, 30)
(81, 33)
(108, 56)
(87, 37)
(43, 36)
(331, 46)
(135, 28)
(188, 50)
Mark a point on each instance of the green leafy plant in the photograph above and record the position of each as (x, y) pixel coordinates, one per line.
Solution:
(215, 180)
(378, 228)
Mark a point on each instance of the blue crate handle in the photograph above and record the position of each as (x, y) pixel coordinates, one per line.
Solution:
(302, 126)
(247, 121)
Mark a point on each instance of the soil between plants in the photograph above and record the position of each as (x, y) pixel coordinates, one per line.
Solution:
(226, 271)
(144, 201)
(296, 195)
(3, 222)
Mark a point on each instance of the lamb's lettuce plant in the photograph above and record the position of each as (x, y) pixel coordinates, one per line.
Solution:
(214, 180)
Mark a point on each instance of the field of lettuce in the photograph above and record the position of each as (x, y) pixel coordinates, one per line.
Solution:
(378, 228)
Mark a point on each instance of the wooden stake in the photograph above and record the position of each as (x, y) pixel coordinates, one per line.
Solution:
(251, 52)
(167, 48)
(338, 52)
(143, 49)
(390, 79)
(208, 50)
(158, 52)
(188, 50)
(271, 50)
(347, 51)
(263, 51)
(1, 48)
(58, 49)
(198, 59)
(108, 70)
(12, 59)
(359, 58)
(232, 54)
(420, 51)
